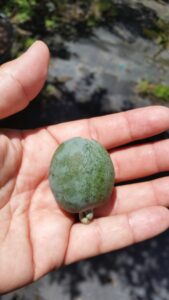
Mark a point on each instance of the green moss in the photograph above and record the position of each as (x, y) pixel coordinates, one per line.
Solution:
(69, 19)
(158, 32)
(52, 13)
(143, 87)
(162, 92)
(50, 24)
(19, 10)
(157, 90)
(29, 41)
(50, 89)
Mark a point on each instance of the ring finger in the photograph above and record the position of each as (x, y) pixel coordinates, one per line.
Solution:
(131, 197)
(140, 160)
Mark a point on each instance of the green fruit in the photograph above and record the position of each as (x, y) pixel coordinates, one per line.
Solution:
(81, 176)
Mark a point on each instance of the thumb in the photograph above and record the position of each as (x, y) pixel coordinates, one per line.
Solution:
(22, 79)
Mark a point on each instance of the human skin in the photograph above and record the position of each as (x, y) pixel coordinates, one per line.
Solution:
(36, 236)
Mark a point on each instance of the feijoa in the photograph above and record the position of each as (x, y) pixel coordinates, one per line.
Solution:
(81, 176)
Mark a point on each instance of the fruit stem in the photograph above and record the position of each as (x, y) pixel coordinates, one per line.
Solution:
(86, 217)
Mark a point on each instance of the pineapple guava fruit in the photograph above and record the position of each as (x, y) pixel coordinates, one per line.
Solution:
(81, 176)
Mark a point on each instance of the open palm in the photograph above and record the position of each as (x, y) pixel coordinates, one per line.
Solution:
(35, 234)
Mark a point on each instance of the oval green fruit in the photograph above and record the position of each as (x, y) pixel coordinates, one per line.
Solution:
(81, 176)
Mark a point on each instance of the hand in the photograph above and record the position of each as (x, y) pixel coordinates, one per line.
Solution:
(35, 235)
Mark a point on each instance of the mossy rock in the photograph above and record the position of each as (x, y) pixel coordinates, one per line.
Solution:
(81, 176)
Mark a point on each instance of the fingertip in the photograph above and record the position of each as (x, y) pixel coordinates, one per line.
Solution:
(148, 222)
(38, 55)
(39, 46)
(161, 109)
(159, 112)
(32, 68)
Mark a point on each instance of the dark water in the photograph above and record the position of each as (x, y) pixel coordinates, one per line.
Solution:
(93, 76)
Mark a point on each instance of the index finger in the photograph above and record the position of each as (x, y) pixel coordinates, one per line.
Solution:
(116, 129)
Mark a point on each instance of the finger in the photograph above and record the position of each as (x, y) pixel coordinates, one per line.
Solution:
(114, 232)
(22, 79)
(116, 129)
(131, 197)
(141, 160)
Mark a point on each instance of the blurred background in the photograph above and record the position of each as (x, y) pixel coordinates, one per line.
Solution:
(106, 56)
